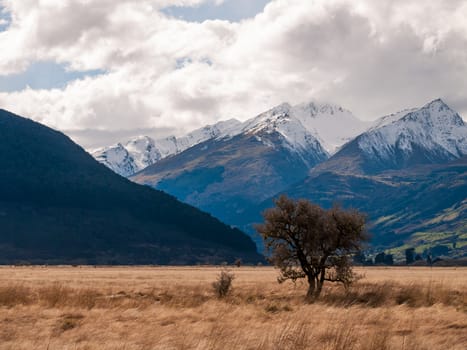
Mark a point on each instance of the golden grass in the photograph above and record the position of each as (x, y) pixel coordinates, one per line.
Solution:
(176, 308)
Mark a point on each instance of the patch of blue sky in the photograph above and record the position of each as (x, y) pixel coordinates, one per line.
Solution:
(230, 10)
(5, 19)
(43, 75)
(183, 62)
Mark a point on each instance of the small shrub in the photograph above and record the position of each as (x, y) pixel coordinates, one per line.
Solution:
(68, 322)
(272, 308)
(67, 325)
(223, 284)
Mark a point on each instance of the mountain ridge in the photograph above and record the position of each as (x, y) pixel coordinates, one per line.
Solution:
(310, 121)
(431, 134)
(244, 168)
(142, 151)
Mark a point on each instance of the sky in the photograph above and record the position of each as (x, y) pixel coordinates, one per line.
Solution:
(106, 70)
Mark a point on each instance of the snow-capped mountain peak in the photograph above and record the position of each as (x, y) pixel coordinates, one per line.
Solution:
(267, 121)
(304, 126)
(279, 120)
(283, 108)
(313, 109)
(142, 151)
(116, 158)
(433, 133)
(436, 113)
(220, 129)
(330, 124)
(333, 124)
(308, 125)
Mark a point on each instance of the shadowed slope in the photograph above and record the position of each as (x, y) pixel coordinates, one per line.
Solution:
(58, 204)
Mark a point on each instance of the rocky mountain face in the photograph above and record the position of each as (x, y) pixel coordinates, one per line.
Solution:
(59, 205)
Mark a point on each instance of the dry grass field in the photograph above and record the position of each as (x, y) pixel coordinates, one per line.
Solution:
(176, 308)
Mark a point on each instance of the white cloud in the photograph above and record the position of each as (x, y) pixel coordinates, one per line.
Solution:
(373, 57)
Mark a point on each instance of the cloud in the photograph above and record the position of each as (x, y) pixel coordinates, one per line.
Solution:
(373, 57)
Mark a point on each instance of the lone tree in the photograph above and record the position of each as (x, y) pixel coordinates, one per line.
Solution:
(307, 241)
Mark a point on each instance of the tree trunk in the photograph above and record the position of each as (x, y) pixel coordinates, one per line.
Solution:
(310, 295)
(319, 287)
(319, 283)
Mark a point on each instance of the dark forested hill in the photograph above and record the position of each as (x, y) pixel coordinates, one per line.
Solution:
(59, 205)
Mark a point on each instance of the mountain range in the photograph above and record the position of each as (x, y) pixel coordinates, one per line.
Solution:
(138, 153)
(407, 171)
(310, 120)
(59, 205)
(433, 134)
(229, 174)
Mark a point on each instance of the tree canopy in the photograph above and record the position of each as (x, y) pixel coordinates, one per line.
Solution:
(307, 241)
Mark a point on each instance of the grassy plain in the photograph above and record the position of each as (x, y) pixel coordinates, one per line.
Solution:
(136, 308)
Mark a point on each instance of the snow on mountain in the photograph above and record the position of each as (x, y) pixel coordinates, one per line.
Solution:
(220, 129)
(333, 124)
(247, 164)
(304, 127)
(391, 118)
(136, 154)
(281, 120)
(116, 158)
(435, 130)
(167, 146)
(127, 159)
(144, 151)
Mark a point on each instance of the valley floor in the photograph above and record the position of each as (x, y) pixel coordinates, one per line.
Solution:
(136, 308)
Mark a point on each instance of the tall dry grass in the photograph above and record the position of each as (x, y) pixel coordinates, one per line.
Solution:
(177, 308)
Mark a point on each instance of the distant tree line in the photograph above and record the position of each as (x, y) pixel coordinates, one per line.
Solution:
(428, 257)
(431, 256)
(380, 259)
